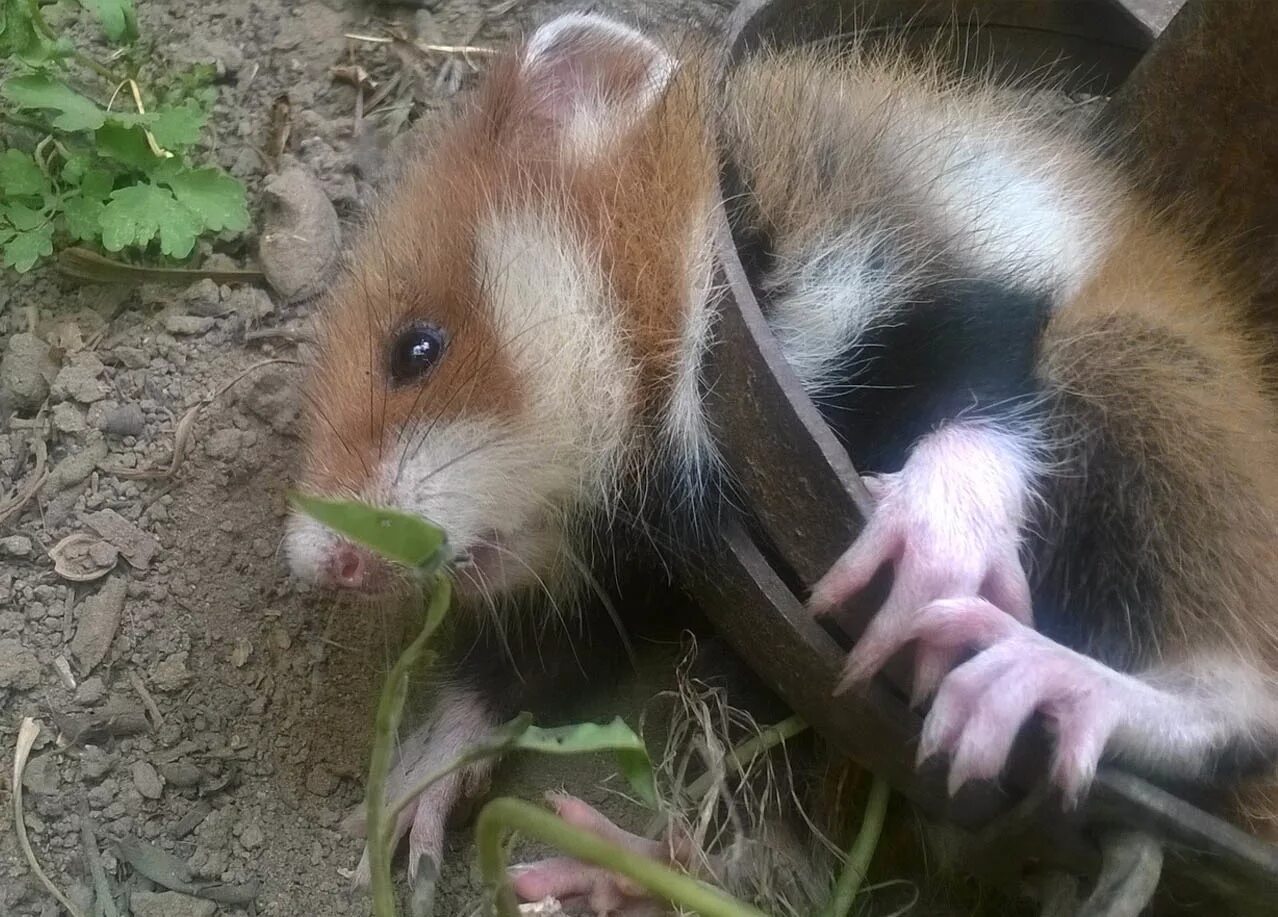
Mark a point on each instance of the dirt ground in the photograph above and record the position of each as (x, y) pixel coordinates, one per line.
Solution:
(220, 712)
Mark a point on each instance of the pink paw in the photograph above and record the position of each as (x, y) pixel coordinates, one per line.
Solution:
(949, 525)
(982, 705)
(573, 882)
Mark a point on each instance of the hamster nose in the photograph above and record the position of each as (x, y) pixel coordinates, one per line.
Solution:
(348, 566)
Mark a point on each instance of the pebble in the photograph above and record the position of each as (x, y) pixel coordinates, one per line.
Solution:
(171, 673)
(147, 780)
(180, 774)
(97, 620)
(204, 298)
(76, 467)
(135, 545)
(26, 369)
(131, 357)
(252, 838)
(67, 418)
(16, 546)
(175, 323)
(301, 235)
(41, 776)
(19, 667)
(78, 380)
(90, 692)
(321, 781)
(252, 303)
(170, 904)
(273, 395)
(95, 763)
(225, 444)
(126, 420)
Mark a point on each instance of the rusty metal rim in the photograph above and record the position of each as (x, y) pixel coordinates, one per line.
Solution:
(765, 421)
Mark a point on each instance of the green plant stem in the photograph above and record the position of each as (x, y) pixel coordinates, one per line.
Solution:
(506, 814)
(858, 862)
(390, 707)
(25, 123)
(89, 265)
(37, 17)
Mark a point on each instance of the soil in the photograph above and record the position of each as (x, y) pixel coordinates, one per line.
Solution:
(194, 698)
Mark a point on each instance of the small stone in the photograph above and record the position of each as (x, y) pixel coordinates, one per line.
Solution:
(147, 780)
(135, 545)
(252, 837)
(273, 395)
(301, 235)
(97, 620)
(181, 774)
(76, 467)
(41, 776)
(126, 420)
(78, 380)
(170, 904)
(16, 546)
(131, 357)
(19, 667)
(67, 418)
(90, 692)
(103, 794)
(225, 444)
(321, 781)
(26, 369)
(175, 323)
(203, 298)
(171, 674)
(95, 763)
(252, 303)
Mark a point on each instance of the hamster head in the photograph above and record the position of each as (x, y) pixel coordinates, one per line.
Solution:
(493, 355)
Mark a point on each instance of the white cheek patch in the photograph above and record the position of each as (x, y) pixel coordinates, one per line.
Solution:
(306, 544)
(474, 478)
(554, 314)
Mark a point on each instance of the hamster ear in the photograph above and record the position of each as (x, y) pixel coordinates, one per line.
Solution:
(592, 77)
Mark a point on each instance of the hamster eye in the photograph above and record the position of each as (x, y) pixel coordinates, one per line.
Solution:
(415, 351)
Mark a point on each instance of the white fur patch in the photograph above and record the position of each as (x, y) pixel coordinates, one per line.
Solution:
(552, 307)
(1016, 213)
(306, 544)
(687, 431)
(830, 298)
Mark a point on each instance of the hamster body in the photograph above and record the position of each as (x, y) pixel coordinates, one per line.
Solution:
(1060, 413)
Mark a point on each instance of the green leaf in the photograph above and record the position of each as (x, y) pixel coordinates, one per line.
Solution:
(617, 737)
(178, 127)
(118, 20)
(96, 184)
(41, 91)
(406, 539)
(74, 167)
(126, 145)
(137, 214)
(22, 218)
(26, 247)
(83, 216)
(215, 197)
(20, 176)
(20, 38)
